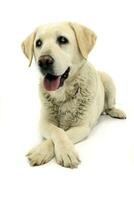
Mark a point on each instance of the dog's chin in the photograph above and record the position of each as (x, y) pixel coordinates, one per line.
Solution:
(53, 82)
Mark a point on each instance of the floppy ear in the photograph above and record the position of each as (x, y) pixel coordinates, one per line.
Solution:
(85, 38)
(27, 47)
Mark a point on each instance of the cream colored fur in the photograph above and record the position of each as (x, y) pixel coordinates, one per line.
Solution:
(69, 113)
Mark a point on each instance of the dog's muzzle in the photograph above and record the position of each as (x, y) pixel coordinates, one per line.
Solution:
(51, 80)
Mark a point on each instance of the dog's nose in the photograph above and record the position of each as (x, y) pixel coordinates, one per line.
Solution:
(45, 61)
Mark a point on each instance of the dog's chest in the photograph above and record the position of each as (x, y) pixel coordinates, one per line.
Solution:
(68, 113)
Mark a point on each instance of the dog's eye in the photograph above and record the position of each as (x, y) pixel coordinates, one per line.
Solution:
(38, 43)
(62, 40)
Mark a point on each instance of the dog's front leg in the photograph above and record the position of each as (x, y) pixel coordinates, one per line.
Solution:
(58, 144)
(63, 145)
(79, 133)
(64, 149)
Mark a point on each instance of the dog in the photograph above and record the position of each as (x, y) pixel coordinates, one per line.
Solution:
(73, 94)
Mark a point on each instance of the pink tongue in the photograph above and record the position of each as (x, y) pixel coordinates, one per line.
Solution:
(52, 85)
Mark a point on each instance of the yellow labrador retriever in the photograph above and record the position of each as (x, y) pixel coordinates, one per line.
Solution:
(73, 94)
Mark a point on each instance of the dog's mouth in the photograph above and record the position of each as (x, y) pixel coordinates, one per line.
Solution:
(52, 82)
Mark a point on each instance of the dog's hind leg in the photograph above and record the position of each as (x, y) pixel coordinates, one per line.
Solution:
(110, 95)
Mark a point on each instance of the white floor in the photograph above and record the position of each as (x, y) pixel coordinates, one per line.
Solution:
(107, 168)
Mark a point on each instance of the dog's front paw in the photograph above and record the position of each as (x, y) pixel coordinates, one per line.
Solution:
(66, 155)
(41, 154)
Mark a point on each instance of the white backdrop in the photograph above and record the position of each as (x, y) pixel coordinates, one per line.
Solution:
(107, 168)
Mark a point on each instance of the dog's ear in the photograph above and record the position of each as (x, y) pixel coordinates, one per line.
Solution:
(28, 47)
(85, 38)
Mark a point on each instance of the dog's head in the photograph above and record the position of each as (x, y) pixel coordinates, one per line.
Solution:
(59, 51)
